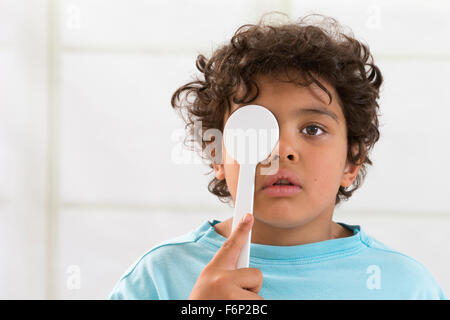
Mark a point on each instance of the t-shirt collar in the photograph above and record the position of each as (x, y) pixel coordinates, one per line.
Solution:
(305, 252)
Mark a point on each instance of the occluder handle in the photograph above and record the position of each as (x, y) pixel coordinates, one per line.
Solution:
(244, 205)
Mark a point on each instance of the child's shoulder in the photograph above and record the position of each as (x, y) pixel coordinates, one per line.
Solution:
(399, 268)
(147, 277)
(378, 248)
(168, 250)
(382, 251)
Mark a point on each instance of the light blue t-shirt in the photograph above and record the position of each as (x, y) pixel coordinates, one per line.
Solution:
(355, 267)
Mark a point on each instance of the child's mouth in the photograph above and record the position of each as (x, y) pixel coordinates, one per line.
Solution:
(284, 183)
(281, 190)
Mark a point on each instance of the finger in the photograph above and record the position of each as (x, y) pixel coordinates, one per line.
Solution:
(248, 278)
(245, 295)
(228, 254)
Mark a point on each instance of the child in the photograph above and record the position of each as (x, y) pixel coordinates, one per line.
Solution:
(310, 78)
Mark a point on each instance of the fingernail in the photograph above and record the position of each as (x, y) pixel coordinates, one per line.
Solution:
(246, 218)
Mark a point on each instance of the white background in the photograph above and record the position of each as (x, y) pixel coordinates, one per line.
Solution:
(87, 178)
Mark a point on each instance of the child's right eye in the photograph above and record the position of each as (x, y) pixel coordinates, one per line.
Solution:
(312, 131)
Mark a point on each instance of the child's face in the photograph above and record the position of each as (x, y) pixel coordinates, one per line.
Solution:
(316, 154)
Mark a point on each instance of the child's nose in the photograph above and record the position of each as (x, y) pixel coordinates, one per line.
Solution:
(286, 149)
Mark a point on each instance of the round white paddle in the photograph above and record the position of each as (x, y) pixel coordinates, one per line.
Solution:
(250, 135)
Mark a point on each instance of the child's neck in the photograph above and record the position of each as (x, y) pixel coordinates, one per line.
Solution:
(313, 231)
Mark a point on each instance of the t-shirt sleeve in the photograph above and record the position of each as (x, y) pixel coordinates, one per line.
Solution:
(431, 289)
(136, 284)
(412, 278)
(157, 274)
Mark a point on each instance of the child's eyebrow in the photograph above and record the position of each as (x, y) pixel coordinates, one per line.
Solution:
(316, 110)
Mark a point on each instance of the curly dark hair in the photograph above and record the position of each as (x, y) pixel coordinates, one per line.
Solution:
(308, 49)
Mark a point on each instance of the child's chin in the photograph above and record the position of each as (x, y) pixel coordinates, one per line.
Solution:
(283, 221)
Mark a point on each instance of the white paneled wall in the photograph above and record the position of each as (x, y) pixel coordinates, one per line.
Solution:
(155, 24)
(23, 149)
(397, 28)
(130, 97)
(102, 73)
(410, 170)
(103, 243)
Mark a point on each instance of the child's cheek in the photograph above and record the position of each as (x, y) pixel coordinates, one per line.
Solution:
(326, 178)
(231, 168)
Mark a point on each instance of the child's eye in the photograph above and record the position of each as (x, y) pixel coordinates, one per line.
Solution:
(311, 132)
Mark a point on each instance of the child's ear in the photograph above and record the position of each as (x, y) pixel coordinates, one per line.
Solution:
(218, 168)
(219, 171)
(351, 171)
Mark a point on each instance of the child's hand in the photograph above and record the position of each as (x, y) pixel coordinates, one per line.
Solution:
(221, 280)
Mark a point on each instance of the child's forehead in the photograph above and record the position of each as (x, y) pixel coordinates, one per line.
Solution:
(312, 97)
(272, 88)
(295, 81)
